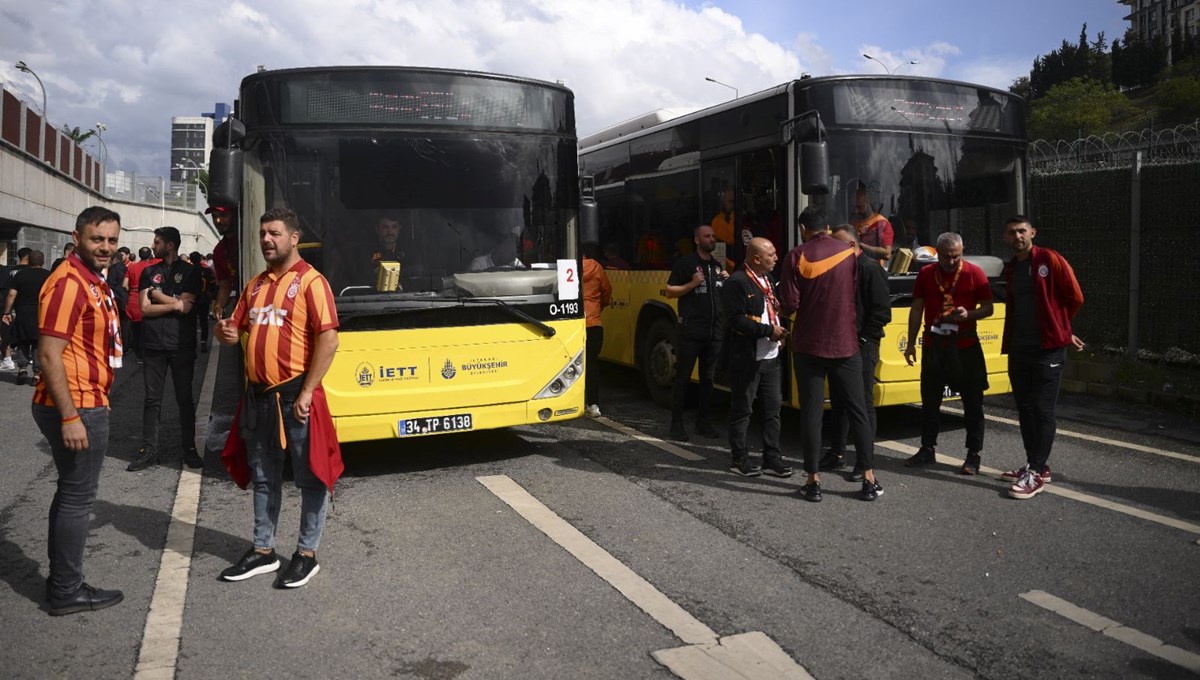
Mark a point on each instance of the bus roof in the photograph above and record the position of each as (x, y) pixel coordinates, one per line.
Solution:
(630, 128)
(317, 70)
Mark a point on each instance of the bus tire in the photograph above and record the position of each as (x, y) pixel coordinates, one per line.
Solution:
(658, 361)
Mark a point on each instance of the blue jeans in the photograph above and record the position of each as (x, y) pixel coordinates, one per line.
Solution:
(266, 465)
(78, 481)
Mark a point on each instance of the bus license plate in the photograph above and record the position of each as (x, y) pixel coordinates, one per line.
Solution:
(410, 427)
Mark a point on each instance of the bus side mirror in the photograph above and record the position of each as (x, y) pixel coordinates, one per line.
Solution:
(814, 168)
(589, 221)
(225, 176)
(589, 212)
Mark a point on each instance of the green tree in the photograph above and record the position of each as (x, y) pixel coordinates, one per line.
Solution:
(1078, 108)
(1020, 87)
(1137, 62)
(76, 135)
(1180, 98)
(1082, 60)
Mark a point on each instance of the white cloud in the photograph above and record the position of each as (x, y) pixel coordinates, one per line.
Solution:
(996, 73)
(931, 59)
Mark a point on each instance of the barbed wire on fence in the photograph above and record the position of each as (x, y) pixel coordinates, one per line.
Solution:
(1180, 144)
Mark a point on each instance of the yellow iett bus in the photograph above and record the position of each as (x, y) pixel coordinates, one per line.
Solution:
(932, 156)
(443, 207)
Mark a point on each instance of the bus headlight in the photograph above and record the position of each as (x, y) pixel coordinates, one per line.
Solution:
(565, 378)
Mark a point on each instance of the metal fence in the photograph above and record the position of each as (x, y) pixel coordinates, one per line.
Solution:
(1125, 212)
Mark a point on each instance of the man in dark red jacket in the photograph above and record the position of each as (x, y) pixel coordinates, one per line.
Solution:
(820, 284)
(1043, 297)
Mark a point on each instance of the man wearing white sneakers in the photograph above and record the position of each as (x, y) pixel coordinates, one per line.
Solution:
(1043, 297)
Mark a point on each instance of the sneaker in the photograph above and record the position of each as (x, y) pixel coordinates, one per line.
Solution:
(192, 459)
(856, 475)
(745, 468)
(7, 364)
(775, 466)
(811, 492)
(832, 460)
(86, 599)
(252, 563)
(144, 460)
(870, 490)
(924, 456)
(971, 465)
(704, 429)
(1029, 485)
(299, 571)
(678, 433)
(592, 411)
(1014, 475)
(21, 375)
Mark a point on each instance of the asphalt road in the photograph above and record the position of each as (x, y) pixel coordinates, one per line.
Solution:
(428, 574)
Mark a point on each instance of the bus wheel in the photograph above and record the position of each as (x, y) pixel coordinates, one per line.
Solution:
(658, 361)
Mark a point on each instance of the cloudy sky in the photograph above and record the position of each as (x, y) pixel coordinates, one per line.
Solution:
(133, 64)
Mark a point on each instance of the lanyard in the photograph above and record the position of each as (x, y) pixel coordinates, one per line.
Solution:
(769, 294)
(947, 293)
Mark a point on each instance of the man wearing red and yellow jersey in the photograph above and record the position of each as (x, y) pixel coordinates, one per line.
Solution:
(79, 346)
(820, 284)
(874, 231)
(289, 317)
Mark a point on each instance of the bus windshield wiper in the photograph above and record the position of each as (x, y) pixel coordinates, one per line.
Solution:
(547, 330)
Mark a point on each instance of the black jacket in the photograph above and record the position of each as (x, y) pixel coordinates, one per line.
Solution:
(874, 302)
(741, 308)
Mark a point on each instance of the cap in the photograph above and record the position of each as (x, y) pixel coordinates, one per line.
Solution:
(217, 208)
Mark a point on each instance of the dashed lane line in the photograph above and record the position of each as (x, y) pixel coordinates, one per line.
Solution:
(1106, 626)
(1091, 438)
(748, 656)
(652, 441)
(164, 623)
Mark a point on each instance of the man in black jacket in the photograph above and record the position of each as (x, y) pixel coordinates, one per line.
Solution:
(754, 334)
(874, 307)
(696, 282)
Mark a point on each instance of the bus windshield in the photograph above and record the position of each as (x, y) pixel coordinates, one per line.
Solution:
(476, 214)
(926, 184)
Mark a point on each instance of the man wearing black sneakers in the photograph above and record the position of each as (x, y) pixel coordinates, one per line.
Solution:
(696, 282)
(754, 333)
(167, 292)
(951, 296)
(874, 305)
(820, 284)
(290, 322)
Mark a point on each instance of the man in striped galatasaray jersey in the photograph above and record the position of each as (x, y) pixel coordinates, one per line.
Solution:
(288, 313)
(79, 346)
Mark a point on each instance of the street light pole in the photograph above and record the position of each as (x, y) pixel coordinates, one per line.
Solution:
(45, 117)
(735, 90)
(885, 66)
(100, 128)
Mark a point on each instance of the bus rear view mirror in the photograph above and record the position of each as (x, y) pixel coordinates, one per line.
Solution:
(814, 168)
(225, 176)
(589, 221)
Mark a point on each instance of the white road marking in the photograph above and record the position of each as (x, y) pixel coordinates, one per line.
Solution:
(1091, 438)
(164, 624)
(750, 656)
(652, 441)
(1060, 491)
(1113, 629)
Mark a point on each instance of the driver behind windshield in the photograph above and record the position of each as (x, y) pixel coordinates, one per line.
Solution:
(502, 254)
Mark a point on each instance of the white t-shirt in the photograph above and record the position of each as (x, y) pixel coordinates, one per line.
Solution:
(767, 348)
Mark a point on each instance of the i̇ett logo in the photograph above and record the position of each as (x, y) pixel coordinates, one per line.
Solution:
(365, 374)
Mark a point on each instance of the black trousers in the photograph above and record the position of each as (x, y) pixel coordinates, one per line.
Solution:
(967, 375)
(761, 379)
(135, 338)
(591, 377)
(838, 420)
(1036, 374)
(154, 370)
(845, 391)
(201, 309)
(687, 353)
